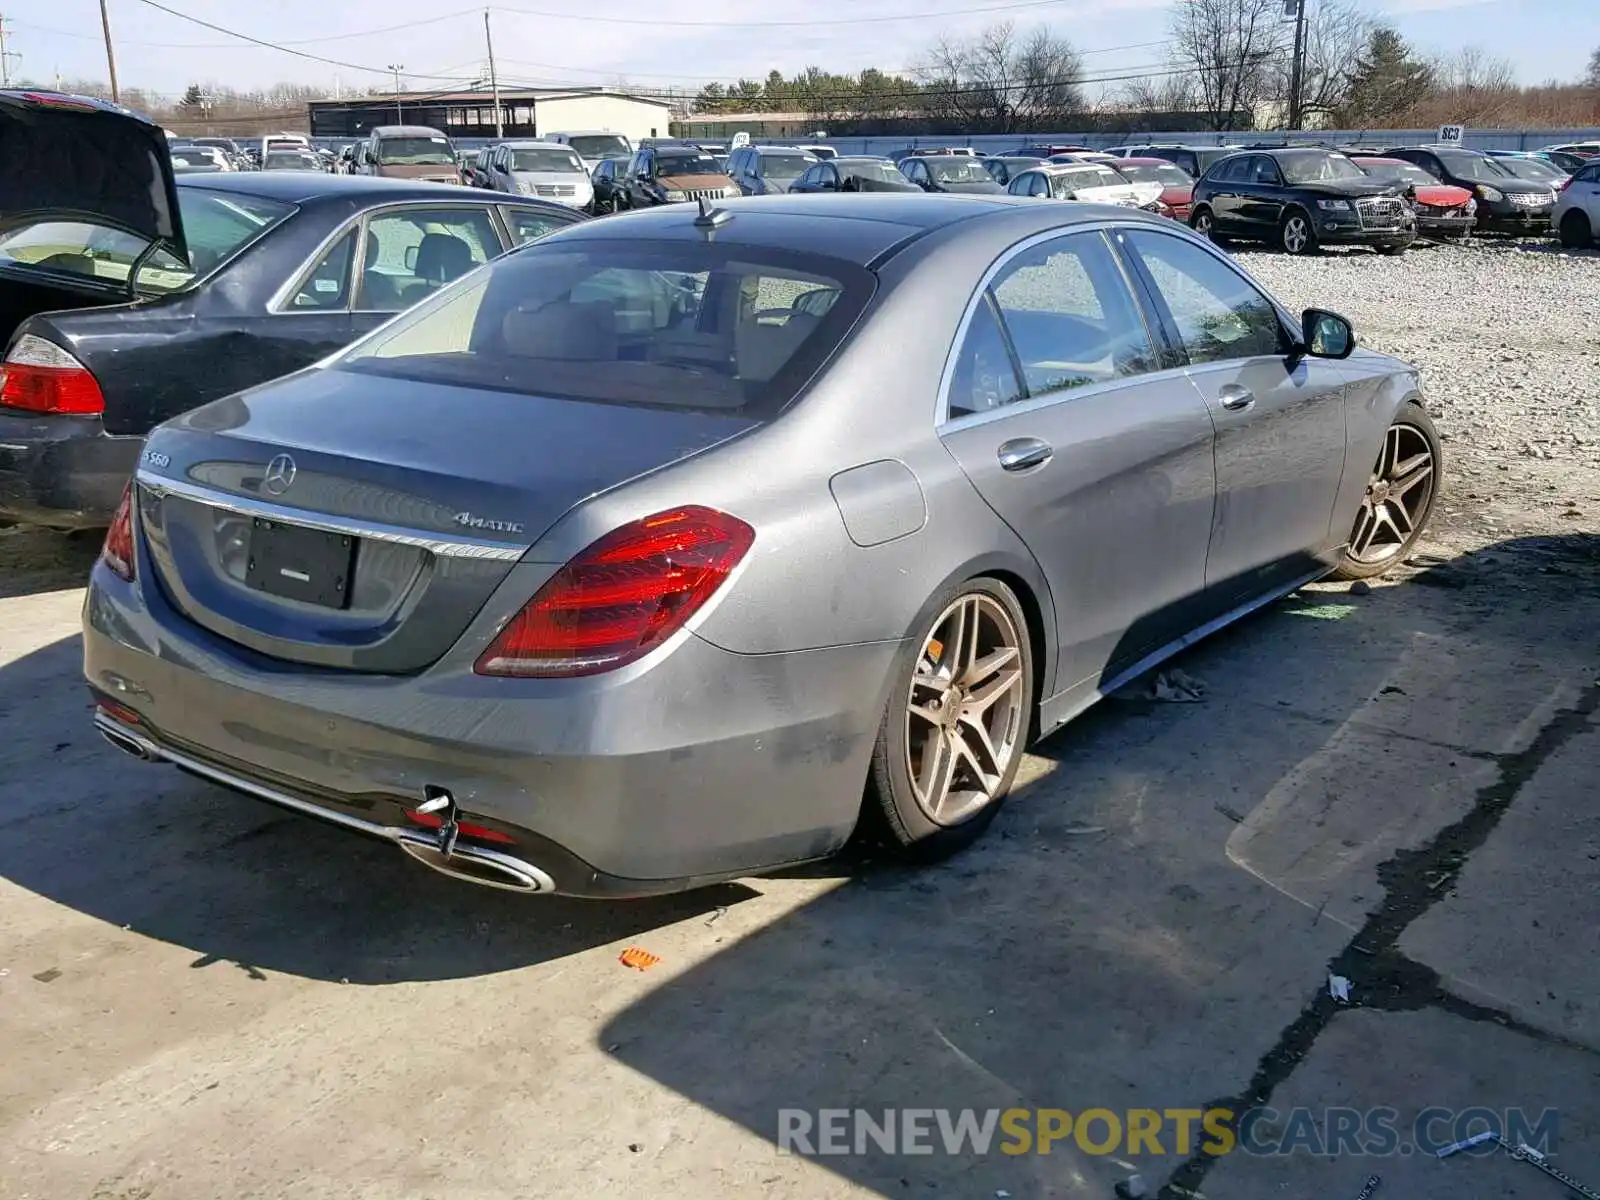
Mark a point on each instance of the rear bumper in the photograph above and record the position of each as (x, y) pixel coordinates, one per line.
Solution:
(705, 766)
(63, 472)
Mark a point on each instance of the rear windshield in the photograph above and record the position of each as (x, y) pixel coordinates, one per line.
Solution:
(291, 160)
(1169, 174)
(956, 169)
(216, 226)
(599, 145)
(785, 166)
(663, 324)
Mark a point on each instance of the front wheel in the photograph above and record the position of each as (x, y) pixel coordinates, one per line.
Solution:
(1202, 223)
(1393, 251)
(953, 731)
(1575, 231)
(1399, 498)
(1295, 235)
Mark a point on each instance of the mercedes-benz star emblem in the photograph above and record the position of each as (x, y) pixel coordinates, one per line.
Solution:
(279, 476)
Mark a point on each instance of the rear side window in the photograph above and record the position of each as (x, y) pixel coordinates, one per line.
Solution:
(527, 225)
(662, 324)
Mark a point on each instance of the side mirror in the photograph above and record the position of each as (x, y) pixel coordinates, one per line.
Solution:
(829, 185)
(1325, 334)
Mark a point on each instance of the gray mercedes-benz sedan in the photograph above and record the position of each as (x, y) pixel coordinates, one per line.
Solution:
(673, 547)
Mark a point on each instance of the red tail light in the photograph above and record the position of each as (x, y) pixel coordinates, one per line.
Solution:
(117, 553)
(39, 376)
(623, 596)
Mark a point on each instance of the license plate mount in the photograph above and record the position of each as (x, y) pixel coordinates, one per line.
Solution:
(312, 566)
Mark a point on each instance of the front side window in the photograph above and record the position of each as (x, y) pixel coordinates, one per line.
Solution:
(1266, 171)
(1071, 316)
(410, 254)
(1220, 315)
(665, 324)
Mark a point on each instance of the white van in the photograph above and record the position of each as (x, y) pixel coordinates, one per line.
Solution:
(284, 141)
(592, 145)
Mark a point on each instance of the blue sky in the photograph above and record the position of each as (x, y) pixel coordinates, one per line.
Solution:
(441, 44)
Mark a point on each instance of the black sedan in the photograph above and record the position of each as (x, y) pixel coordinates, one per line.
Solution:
(1506, 204)
(185, 290)
(853, 173)
(1299, 198)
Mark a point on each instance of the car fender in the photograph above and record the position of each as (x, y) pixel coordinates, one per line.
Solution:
(1379, 387)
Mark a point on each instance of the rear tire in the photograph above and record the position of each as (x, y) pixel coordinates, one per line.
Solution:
(1575, 231)
(1400, 497)
(955, 725)
(1393, 251)
(1295, 235)
(1203, 223)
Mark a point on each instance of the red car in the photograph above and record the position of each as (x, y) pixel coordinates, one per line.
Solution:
(1442, 209)
(1177, 188)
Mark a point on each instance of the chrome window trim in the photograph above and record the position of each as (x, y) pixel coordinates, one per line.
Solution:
(278, 304)
(444, 547)
(942, 420)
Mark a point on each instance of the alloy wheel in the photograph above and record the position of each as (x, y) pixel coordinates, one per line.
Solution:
(966, 713)
(1296, 235)
(1202, 224)
(1397, 498)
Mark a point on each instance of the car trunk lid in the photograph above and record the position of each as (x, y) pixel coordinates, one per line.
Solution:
(371, 543)
(71, 156)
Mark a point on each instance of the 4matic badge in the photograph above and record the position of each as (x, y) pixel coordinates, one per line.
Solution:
(469, 521)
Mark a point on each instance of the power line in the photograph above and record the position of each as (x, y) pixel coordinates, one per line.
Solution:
(723, 77)
(255, 41)
(658, 23)
(337, 37)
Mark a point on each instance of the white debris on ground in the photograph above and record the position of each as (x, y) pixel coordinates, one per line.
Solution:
(1506, 335)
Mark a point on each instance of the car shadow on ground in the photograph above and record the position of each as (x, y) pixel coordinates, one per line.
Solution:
(43, 560)
(172, 857)
(1104, 946)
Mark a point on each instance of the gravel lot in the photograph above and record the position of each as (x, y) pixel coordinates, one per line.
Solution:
(1507, 336)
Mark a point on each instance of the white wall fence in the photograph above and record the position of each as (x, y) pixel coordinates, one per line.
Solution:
(993, 143)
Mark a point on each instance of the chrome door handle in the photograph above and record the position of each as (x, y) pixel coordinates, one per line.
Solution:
(1019, 454)
(1235, 398)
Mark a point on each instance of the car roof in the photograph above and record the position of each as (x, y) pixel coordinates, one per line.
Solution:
(301, 187)
(533, 144)
(1381, 158)
(861, 229)
(1053, 168)
(801, 150)
(407, 131)
(1144, 160)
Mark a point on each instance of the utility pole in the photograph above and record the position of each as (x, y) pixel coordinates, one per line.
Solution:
(5, 56)
(1297, 69)
(111, 58)
(397, 68)
(494, 79)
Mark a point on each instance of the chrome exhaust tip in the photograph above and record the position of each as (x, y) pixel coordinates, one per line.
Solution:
(126, 743)
(473, 864)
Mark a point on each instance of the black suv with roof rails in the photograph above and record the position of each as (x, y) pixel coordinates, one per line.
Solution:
(1298, 198)
(1506, 203)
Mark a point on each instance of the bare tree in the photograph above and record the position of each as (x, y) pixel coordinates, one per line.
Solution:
(1336, 33)
(1002, 82)
(1591, 76)
(1233, 49)
(1141, 103)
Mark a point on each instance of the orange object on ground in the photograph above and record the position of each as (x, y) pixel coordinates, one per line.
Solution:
(639, 960)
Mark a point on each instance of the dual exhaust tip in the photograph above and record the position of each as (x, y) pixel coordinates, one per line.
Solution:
(441, 852)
